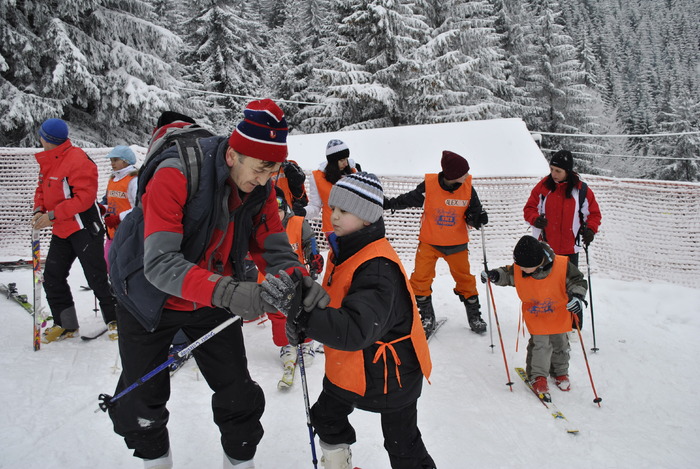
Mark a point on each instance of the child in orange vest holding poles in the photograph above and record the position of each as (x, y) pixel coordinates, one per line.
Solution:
(551, 289)
(376, 351)
(303, 242)
(121, 191)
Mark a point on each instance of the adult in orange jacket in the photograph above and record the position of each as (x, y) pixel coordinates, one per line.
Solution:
(551, 289)
(450, 206)
(65, 200)
(562, 209)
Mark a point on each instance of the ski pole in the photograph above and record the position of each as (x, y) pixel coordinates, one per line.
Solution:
(305, 389)
(37, 279)
(495, 314)
(585, 357)
(590, 296)
(488, 293)
(107, 401)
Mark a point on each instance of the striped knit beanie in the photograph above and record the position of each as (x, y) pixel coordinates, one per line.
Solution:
(360, 194)
(337, 150)
(262, 133)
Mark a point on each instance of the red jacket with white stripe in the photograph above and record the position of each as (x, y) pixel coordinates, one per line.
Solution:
(563, 220)
(68, 187)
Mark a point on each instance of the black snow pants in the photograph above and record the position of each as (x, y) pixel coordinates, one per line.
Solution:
(402, 438)
(89, 250)
(141, 415)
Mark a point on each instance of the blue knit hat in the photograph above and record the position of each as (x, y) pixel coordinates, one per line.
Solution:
(123, 152)
(54, 131)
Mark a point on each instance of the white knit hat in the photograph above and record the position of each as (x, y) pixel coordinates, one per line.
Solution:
(337, 150)
(360, 194)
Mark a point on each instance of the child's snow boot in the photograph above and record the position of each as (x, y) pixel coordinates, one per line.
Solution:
(540, 386)
(473, 308)
(427, 313)
(562, 382)
(336, 456)
(230, 463)
(307, 350)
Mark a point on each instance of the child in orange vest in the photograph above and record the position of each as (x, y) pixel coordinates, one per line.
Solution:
(121, 191)
(303, 241)
(551, 289)
(450, 207)
(375, 348)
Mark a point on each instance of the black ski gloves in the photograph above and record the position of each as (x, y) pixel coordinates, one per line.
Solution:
(492, 275)
(476, 221)
(540, 222)
(295, 177)
(587, 236)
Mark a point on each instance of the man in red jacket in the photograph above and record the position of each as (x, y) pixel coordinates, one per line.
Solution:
(65, 200)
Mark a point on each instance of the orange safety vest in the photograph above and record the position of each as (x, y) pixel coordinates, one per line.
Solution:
(324, 191)
(346, 369)
(117, 198)
(443, 222)
(294, 226)
(544, 300)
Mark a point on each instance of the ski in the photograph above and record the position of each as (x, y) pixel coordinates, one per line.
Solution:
(94, 336)
(12, 265)
(38, 280)
(553, 409)
(438, 324)
(287, 379)
(10, 291)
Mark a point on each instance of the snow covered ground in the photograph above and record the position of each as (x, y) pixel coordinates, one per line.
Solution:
(645, 371)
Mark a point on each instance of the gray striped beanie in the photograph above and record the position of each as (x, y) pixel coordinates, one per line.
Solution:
(360, 194)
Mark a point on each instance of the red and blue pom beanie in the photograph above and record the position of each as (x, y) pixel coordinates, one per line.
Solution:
(262, 133)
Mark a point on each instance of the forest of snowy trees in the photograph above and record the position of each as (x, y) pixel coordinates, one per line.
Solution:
(600, 67)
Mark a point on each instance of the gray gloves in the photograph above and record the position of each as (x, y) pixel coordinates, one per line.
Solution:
(281, 292)
(241, 298)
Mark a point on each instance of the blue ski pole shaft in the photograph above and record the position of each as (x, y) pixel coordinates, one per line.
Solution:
(109, 401)
(307, 407)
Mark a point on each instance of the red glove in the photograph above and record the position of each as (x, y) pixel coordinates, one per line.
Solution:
(315, 265)
(112, 221)
(103, 209)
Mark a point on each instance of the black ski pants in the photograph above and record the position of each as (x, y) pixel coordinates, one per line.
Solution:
(141, 415)
(89, 250)
(402, 438)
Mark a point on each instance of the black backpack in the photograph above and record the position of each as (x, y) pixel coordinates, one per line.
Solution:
(130, 286)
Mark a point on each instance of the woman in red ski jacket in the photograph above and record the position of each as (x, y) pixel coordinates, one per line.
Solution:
(562, 209)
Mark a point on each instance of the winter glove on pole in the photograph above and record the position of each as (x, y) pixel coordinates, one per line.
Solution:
(575, 305)
(587, 236)
(112, 221)
(492, 275)
(241, 298)
(298, 207)
(540, 222)
(314, 295)
(282, 292)
(315, 265)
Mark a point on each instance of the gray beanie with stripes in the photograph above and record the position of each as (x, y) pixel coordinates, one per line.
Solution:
(360, 194)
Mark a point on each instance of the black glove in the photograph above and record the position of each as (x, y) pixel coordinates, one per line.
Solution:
(295, 177)
(315, 265)
(492, 275)
(299, 208)
(483, 218)
(540, 222)
(283, 292)
(587, 236)
(314, 295)
(241, 298)
(294, 331)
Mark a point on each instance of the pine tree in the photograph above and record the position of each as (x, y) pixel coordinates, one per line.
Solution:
(104, 67)
(365, 79)
(228, 55)
(682, 116)
(463, 68)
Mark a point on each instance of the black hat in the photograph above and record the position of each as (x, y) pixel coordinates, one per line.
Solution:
(528, 252)
(563, 159)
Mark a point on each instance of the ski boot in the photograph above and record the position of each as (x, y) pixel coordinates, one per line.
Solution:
(473, 308)
(336, 456)
(427, 314)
